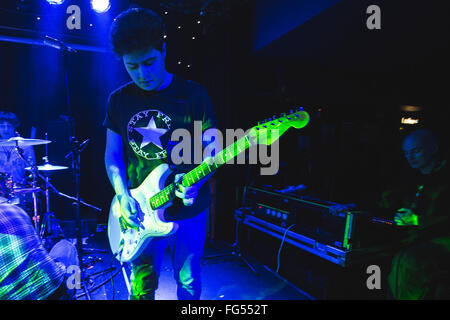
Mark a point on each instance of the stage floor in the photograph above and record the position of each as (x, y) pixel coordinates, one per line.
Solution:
(223, 277)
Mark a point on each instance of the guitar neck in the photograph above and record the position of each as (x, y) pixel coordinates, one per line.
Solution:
(263, 133)
(201, 171)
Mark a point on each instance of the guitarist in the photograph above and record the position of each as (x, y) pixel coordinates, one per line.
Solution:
(140, 117)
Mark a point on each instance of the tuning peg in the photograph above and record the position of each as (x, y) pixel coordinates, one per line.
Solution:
(300, 109)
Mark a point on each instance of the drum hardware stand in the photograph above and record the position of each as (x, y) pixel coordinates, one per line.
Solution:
(76, 159)
(80, 148)
(48, 221)
(34, 173)
(49, 217)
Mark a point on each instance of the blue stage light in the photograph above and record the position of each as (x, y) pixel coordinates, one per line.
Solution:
(55, 1)
(100, 6)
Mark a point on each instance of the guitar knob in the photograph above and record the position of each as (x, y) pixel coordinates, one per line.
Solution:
(291, 111)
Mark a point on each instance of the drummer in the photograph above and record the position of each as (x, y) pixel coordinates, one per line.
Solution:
(11, 164)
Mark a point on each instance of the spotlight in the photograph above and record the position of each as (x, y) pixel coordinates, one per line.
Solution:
(56, 2)
(100, 6)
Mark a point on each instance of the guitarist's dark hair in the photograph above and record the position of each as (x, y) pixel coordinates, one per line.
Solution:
(136, 29)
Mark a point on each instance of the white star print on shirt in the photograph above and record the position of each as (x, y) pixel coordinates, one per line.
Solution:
(151, 134)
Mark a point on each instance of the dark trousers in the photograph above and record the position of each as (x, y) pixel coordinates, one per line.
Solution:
(187, 249)
(422, 271)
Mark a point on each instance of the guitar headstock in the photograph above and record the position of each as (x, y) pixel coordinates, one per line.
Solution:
(263, 131)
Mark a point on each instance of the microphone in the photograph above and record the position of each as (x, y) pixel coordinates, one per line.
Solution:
(80, 147)
(83, 144)
(57, 44)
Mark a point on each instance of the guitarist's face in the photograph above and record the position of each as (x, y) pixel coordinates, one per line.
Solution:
(146, 68)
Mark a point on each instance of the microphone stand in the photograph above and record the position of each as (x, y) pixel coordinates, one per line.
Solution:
(76, 150)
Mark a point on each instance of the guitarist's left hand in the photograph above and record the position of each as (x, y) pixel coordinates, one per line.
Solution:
(187, 194)
(406, 217)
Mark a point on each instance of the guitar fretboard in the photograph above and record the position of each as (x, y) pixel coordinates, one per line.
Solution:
(201, 171)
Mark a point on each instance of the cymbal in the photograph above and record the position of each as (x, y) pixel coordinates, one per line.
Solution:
(48, 167)
(22, 142)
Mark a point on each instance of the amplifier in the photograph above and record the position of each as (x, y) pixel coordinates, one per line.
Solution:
(304, 215)
(331, 253)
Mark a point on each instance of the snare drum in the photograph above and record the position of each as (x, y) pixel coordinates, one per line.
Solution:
(16, 193)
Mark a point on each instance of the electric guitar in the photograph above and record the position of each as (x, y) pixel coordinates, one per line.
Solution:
(153, 196)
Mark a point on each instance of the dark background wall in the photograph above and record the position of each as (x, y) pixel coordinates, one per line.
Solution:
(351, 80)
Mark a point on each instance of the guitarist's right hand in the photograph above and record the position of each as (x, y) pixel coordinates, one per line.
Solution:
(130, 210)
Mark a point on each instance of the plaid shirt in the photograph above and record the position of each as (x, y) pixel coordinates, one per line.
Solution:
(27, 272)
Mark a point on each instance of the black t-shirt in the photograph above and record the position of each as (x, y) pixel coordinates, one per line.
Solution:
(146, 119)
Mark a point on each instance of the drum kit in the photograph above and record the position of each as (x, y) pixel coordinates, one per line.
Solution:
(14, 193)
(48, 227)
